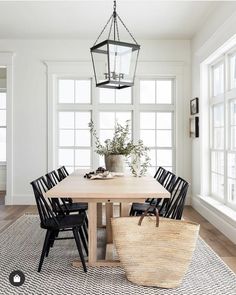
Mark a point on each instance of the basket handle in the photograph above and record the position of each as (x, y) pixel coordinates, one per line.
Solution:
(145, 213)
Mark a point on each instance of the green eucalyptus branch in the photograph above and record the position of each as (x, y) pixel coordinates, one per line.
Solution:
(121, 144)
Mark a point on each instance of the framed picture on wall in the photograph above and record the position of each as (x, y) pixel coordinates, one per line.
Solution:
(194, 106)
(194, 127)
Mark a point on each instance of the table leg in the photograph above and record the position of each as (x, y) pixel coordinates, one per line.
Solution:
(99, 215)
(124, 209)
(92, 233)
(109, 215)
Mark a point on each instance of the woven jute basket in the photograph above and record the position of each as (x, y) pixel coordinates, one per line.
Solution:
(155, 255)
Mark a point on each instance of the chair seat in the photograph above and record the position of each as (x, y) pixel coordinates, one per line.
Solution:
(139, 208)
(65, 222)
(75, 207)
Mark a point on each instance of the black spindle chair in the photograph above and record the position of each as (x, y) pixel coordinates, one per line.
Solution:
(72, 206)
(167, 179)
(173, 207)
(56, 223)
(66, 204)
(62, 172)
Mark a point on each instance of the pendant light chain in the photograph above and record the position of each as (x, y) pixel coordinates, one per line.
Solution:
(103, 30)
(126, 29)
(114, 24)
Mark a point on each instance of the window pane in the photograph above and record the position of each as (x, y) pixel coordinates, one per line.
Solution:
(217, 162)
(164, 157)
(148, 137)
(218, 141)
(152, 155)
(218, 126)
(66, 91)
(233, 112)
(106, 134)
(82, 120)
(164, 120)
(218, 115)
(123, 95)
(147, 92)
(2, 144)
(107, 120)
(232, 165)
(83, 91)
(66, 157)
(82, 138)
(217, 185)
(233, 72)
(164, 91)
(218, 79)
(82, 158)
(2, 100)
(2, 118)
(233, 125)
(164, 138)
(123, 117)
(232, 190)
(107, 95)
(147, 120)
(66, 120)
(233, 137)
(66, 138)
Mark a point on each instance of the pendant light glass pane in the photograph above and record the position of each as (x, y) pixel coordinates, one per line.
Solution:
(100, 63)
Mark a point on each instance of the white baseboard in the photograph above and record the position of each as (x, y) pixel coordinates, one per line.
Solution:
(215, 218)
(21, 200)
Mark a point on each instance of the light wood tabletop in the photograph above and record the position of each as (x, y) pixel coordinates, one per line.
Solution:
(120, 189)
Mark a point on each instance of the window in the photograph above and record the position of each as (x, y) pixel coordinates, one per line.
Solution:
(2, 126)
(151, 119)
(156, 123)
(73, 136)
(223, 129)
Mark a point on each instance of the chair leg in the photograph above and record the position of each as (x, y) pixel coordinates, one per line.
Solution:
(78, 244)
(131, 213)
(83, 240)
(53, 236)
(45, 247)
(84, 227)
(86, 219)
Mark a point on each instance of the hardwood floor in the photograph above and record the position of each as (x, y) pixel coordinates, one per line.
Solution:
(214, 238)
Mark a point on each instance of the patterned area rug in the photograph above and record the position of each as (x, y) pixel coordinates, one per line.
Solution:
(20, 248)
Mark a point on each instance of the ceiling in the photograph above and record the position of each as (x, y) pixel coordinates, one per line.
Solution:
(85, 19)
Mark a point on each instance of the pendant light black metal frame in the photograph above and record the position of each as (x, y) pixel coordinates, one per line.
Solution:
(112, 79)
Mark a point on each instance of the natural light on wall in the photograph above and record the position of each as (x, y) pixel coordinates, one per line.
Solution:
(220, 92)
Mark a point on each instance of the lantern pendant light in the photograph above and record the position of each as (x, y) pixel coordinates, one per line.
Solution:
(114, 61)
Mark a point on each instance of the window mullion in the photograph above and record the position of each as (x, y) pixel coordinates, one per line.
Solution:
(226, 128)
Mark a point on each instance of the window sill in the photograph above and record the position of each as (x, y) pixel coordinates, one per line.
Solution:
(227, 213)
(3, 163)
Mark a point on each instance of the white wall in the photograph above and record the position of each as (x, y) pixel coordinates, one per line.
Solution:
(220, 27)
(30, 101)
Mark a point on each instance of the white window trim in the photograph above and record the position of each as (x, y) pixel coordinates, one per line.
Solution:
(222, 54)
(146, 70)
(6, 60)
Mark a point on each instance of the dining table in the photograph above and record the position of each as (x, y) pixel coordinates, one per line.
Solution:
(124, 190)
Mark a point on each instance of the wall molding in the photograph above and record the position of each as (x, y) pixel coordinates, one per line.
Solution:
(214, 217)
(24, 199)
(6, 59)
